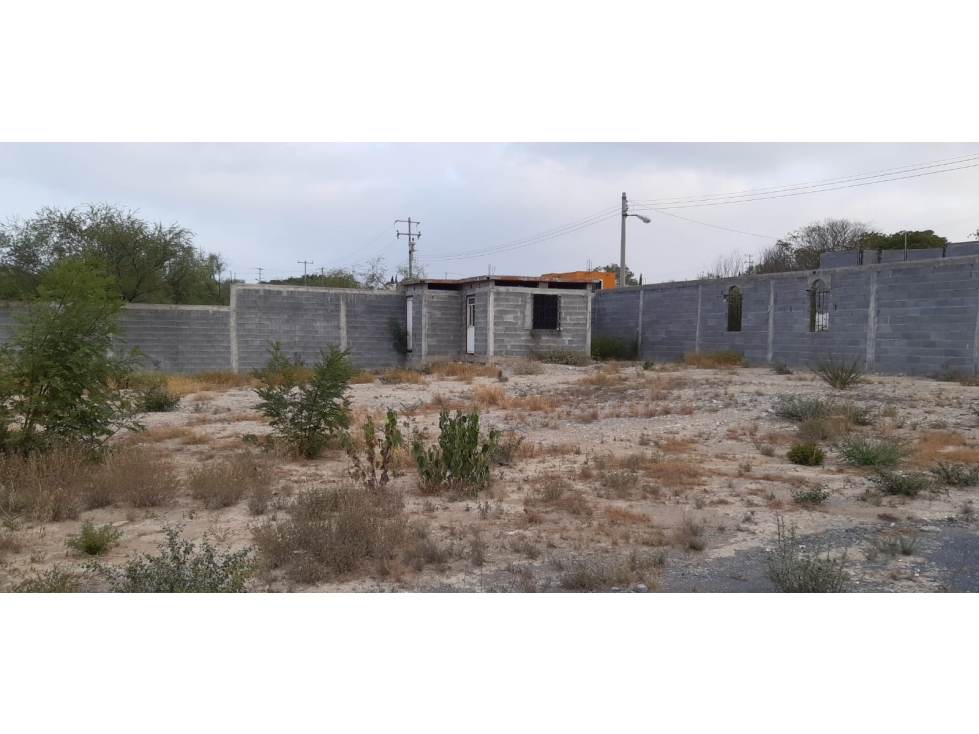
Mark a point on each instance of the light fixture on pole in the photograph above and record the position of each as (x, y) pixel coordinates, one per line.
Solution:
(625, 213)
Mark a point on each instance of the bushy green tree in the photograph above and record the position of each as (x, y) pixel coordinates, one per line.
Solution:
(915, 240)
(57, 369)
(145, 262)
(307, 406)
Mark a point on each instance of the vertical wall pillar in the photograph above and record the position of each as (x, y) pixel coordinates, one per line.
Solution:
(975, 339)
(696, 343)
(233, 320)
(872, 322)
(639, 326)
(771, 319)
(343, 321)
(491, 307)
(425, 308)
(591, 295)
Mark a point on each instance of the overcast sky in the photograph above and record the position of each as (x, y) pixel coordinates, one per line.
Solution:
(272, 205)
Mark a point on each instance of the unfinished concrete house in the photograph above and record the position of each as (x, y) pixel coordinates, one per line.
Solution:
(497, 316)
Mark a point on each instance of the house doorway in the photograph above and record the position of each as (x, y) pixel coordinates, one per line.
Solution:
(470, 324)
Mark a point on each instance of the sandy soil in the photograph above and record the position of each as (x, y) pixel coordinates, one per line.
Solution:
(628, 456)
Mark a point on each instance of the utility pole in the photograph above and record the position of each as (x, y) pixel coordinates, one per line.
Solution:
(304, 263)
(625, 213)
(750, 265)
(260, 275)
(412, 236)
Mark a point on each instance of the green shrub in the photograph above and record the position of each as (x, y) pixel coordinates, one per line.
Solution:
(568, 357)
(841, 375)
(58, 369)
(55, 580)
(793, 571)
(460, 461)
(613, 347)
(377, 454)
(181, 567)
(800, 409)
(306, 408)
(157, 399)
(956, 475)
(806, 454)
(813, 496)
(94, 541)
(908, 485)
(861, 451)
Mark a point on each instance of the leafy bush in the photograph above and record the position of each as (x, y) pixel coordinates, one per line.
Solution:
(612, 347)
(377, 454)
(813, 496)
(908, 485)
(399, 335)
(806, 454)
(181, 567)
(460, 461)
(157, 399)
(563, 356)
(333, 532)
(861, 451)
(57, 369)
(794, 571)
(780, 368)
(306, 409)
(956, 475)
(94, 541)
(841, 375)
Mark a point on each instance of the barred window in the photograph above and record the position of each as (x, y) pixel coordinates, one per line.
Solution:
(546, 311)
(734, 300)
(818, 307)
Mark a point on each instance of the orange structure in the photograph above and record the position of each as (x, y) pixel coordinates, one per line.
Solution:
(608, 279)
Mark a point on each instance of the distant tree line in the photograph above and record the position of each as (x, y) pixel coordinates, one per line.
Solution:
(801, 248)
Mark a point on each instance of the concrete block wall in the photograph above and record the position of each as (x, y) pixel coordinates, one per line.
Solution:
(849, 304)
(513, 332)
(178, 338)
(927, 318)
(916, 316)
(668, 339)
(307, 320)
(445, 327)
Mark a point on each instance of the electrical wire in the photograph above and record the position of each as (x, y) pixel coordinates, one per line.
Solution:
(886, 172)
(715, 226)
(802, 193)
(360, 249)
(526, 242)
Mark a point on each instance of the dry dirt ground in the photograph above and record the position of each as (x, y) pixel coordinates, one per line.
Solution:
(667, 479)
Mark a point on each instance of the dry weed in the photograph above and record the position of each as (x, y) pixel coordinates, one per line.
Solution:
(463, 371)
(226, 482)
(138, 477)
(48, 488)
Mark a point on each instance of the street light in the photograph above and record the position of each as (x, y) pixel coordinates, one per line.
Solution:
(625, 213)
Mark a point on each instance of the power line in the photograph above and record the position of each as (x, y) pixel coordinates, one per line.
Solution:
(375, 239)
(813, 184)
(528, 241)
(802, 193)
(715, 226)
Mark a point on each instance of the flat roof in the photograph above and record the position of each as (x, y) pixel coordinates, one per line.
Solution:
(513, 278)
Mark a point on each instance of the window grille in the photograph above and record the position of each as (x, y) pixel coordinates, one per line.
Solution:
(546, 311)
(734, 301)
(819, 307)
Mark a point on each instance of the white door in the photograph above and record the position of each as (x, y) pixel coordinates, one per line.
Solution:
(470, 324)
(411, 323)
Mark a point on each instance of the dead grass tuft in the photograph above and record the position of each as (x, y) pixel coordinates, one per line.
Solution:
(623, 516)
(137, 477)
(363, 378)
(463, 371)
(715, 359)
(945, 446)
(690, 533)
(398, 375)
(48, 488)
(333, 532)
(224, 483)
(215, 381)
